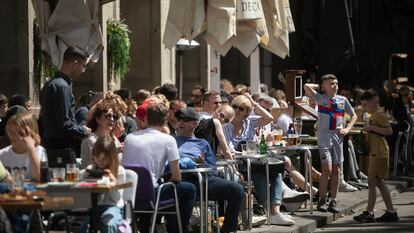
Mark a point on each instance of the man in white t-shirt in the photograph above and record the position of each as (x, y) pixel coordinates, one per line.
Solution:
(153, 149)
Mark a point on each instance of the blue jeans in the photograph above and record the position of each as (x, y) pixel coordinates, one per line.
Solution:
(260, 184)
(110, 218)
(20, 221)
(223, 190)
(186, 193)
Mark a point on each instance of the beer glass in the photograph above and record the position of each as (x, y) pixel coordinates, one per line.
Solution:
(294, 139)
(72, 172)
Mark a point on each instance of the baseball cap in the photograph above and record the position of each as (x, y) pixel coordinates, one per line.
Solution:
(142, 109)
(187, 113)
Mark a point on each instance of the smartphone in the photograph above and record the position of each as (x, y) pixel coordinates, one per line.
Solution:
(95, 173)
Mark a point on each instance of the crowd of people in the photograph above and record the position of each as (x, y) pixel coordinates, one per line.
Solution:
(120, 129)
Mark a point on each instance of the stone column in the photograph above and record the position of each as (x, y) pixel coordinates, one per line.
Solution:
(16, 39)
(255, 71)
(151, 63)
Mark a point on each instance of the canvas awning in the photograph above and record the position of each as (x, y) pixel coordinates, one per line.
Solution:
(72, 23)
(243, 24)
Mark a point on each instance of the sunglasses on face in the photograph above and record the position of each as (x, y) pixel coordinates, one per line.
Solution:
(241, 109)
(225, 119)
(110, 116)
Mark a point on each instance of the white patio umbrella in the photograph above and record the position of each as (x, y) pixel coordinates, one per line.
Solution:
(72, 23)
(243, 24)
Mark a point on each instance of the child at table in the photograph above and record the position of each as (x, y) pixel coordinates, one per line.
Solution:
(105, 156)
(377, 129)
(330, 133)
(25, 151)
(23, 154)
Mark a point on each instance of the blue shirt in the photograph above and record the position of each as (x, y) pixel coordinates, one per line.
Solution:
(249, 133)
(192, 147)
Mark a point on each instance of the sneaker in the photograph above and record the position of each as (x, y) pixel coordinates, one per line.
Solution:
(292, 207)
(333, 207)
(257, 221)
(280, 219)
(288, 216)
(321, 206)
(345, 187)
(293, 196)
(365, 217)
(388, 217)
(362, 175)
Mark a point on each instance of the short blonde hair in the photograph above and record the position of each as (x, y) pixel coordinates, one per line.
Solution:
(242, 101)
(226, 108)
(21, 120)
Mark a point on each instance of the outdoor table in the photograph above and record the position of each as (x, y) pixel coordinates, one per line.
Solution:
(202, 171)
(228, 165)
(308, 167)
(46, 203)
(93, 191)
(268, 162)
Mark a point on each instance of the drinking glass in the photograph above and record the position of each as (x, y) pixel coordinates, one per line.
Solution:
(294, 139)
(277, 135)
(59, 174)
(17, 179)
(251, 147)
(244, 149)
(72, 172)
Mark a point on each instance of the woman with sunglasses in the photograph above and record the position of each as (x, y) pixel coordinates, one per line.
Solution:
(212, 130)
(243, 128)
(105, 120)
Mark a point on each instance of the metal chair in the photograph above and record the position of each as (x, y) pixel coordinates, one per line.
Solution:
(129, 198)
(147, 200)
(406, 134)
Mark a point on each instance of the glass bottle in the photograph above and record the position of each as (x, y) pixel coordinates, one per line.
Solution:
(262, 144)
(44, 168)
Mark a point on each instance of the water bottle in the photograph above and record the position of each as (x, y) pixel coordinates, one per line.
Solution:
(44, 168)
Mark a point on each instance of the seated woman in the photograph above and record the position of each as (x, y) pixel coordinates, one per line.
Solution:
(243, 128)
(212, 130)
(104, 122)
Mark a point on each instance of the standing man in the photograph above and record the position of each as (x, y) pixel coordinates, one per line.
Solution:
(60, 129)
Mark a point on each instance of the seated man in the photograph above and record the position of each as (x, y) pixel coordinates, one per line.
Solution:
(218, 189)
(151, 148)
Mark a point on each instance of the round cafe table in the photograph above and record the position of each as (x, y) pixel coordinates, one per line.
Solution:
(308, 168)
(267, 161)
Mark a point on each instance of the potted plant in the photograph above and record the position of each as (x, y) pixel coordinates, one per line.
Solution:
(118, 45)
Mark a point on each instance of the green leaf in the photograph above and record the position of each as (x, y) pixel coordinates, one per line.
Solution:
(118, 46)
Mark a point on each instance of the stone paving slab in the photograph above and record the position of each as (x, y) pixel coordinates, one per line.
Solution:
(348, 202)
